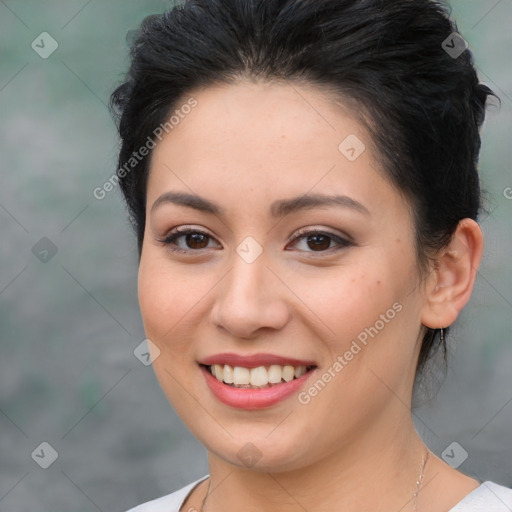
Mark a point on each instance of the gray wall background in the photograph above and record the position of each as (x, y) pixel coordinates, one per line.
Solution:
(69, 325)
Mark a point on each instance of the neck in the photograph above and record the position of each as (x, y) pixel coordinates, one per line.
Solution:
(369, 473)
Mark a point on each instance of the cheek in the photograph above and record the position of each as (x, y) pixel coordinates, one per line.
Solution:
(166, 306)
(347, 300)
(166, 300)
(369, 314)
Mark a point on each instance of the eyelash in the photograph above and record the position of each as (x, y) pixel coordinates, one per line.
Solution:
(302, 233)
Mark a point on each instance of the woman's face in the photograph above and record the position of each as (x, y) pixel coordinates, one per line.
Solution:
(346, 300)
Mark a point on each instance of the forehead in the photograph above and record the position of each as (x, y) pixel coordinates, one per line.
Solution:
(253, 141)
(265, 114)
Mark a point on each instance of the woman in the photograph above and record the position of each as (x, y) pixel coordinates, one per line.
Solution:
(302, 179)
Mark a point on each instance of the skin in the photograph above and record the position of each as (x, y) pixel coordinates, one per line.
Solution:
(244, 146)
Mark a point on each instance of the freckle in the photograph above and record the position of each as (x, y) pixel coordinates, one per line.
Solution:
(378, 282)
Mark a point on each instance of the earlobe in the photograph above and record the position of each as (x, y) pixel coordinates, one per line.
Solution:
(453, 277)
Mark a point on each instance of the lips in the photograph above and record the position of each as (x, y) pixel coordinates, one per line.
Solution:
(247, 396)
(255, 360)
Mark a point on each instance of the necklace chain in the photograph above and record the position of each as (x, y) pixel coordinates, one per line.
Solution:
(206, 496)
(418, 482)
(415, 495)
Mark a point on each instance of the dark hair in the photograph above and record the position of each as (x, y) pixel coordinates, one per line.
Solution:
(389, 61)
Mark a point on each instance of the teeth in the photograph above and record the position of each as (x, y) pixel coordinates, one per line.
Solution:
(299, 370)
(259, 376)
(228, 374)
(288, 373)
(217, 371)
(274, 374)
(241, 375)
(256, 377)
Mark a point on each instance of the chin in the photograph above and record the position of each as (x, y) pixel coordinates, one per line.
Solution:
(252, 447)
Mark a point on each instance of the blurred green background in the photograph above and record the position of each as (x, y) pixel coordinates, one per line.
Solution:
(69, 325)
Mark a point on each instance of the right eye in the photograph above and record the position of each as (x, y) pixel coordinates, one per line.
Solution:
(193, 238)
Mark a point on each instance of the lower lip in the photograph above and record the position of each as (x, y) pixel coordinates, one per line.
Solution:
(250, 399)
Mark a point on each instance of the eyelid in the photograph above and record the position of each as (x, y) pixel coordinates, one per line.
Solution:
(322, 231)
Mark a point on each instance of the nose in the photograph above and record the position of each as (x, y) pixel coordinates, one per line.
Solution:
(249, 299)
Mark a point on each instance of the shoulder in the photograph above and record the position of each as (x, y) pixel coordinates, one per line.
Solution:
(488, 497)
(169, 503)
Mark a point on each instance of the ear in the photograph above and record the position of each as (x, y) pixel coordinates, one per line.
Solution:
(450, 285)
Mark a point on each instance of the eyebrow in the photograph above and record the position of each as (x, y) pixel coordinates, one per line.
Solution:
(279, 208)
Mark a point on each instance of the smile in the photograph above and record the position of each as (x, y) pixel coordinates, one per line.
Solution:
(255, 381)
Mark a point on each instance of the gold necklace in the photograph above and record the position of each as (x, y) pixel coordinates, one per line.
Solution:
(415, 495)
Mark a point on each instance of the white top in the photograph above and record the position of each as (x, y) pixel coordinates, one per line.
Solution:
(489, 497)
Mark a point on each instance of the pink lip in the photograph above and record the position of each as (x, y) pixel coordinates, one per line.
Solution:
(251, 399)
(254, 360)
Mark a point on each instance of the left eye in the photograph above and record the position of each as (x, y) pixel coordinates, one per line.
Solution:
(320, 241)
(317, 241)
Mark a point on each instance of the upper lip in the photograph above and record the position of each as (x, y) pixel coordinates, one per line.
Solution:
(254, 360)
